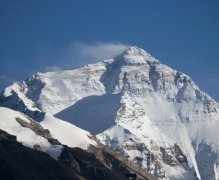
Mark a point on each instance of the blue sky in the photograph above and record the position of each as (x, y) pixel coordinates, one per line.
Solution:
(46, 34)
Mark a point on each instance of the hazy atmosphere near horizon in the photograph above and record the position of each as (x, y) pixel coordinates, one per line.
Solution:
(51, 35)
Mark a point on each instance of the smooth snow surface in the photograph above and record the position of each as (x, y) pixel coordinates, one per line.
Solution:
(24, 135)
(67, 133)
(93, 113)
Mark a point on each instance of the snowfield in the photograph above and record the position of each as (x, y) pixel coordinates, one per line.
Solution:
(65, 132)
(25, 135)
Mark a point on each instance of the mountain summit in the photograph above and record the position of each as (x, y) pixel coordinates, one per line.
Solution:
(145, 111)
(135, 55)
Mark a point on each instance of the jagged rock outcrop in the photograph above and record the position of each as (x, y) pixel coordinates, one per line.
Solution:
(98, 163)
(38, 129)
(20, 162)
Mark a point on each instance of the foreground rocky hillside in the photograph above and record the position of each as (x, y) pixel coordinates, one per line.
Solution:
(20, 162)
(33, 158)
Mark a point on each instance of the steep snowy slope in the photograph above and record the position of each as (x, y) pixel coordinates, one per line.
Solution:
(45, 136)
(144, 110)
(14, 123)
(54, 91)
(67, 133)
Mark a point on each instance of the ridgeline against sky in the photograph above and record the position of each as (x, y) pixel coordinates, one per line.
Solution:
(48, 35)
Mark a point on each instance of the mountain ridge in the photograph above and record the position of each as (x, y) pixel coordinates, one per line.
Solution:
(163, 122)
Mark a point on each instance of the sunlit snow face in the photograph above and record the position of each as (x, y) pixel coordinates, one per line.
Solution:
(153, 104)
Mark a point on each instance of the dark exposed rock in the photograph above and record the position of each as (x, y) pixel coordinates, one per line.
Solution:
(168, 157)
(17, 104)
(37, 147)
(38, 129)
(98, 163)
(18, 162)
(53, 141)
(115, 160)
(181, 158)
(86, 164)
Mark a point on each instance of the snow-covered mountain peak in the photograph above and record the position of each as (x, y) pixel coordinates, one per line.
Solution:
(162, 114)
(135, 56)
(134, 50)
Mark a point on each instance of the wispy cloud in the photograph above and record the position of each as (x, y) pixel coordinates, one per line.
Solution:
(53, 69)
(95, 51)
(76, 54)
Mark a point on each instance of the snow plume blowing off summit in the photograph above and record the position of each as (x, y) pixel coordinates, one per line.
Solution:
(145, 111)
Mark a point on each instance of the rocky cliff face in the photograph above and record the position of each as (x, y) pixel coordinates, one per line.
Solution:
(20, 162)
(144, 110)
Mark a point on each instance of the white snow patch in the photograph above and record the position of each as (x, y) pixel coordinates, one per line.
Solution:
(67, 133)
(24, 135)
